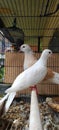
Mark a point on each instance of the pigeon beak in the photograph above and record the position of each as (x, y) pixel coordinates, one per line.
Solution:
(20, 50)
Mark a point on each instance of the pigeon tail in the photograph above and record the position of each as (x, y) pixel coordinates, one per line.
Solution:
(9, 101)
(2, 104)
(5, 102)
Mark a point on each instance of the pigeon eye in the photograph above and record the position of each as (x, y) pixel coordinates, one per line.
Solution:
(23, 46)
(49, 52)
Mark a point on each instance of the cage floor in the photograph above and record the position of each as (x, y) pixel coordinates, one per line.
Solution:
(17, 118)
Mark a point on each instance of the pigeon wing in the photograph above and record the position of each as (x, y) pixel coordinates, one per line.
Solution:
(28, 78)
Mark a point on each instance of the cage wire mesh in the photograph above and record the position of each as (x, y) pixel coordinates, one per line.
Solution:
(41, 31)
(11, 64)
(39, 21)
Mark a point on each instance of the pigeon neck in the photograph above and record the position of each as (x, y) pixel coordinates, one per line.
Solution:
(28, 56)
(43, 60)
(28, 53)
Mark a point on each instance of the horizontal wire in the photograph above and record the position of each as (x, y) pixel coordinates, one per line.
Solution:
(28, 16)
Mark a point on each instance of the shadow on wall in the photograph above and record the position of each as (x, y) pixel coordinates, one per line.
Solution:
(54, 43)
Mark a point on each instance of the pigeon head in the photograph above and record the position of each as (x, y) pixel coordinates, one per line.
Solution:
(25, 48)
(46, 53)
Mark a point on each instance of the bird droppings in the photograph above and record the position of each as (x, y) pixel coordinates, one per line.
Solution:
(17, 118)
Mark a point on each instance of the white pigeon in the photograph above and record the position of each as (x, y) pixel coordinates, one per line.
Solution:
(30, 59)
(31, 76)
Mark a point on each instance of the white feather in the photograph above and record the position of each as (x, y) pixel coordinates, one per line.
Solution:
(9, 101)
(55, 78)
(26, 80)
